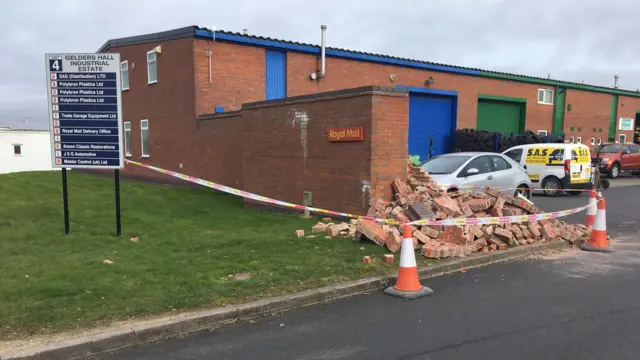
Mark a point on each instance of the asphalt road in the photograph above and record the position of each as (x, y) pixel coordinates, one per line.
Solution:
(573, 305)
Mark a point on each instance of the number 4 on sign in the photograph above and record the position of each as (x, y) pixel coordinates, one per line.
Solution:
(55, 65)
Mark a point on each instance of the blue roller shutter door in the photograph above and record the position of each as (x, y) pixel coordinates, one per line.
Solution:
(430, 115)
(276, 74)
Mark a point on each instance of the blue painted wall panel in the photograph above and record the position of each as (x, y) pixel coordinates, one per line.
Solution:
(431, 115)
(276, 74)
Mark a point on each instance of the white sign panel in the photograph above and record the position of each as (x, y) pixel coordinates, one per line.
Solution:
(85, 111)
(625, 124)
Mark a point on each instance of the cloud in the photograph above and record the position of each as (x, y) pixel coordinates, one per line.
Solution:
(586, 40)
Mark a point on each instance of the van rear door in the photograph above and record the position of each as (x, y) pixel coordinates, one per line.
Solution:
(580, 164)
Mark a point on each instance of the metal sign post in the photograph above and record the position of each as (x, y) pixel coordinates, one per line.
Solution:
(85, 116)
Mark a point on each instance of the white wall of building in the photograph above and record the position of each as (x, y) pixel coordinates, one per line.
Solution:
(35, 149)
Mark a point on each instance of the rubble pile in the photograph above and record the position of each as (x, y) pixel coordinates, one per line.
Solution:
(421, 198)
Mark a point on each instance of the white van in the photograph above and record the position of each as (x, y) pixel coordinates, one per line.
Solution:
(553, 167)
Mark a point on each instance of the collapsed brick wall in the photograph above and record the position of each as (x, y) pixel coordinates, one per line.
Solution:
(287, 152)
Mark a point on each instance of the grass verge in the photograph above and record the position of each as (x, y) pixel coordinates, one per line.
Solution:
(190, 241)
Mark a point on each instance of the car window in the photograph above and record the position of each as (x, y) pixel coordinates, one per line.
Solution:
(516, 155)
(482, 163)
(444, 164)
(609, 149)
(634, 149)
(627, 149)
(499, 163)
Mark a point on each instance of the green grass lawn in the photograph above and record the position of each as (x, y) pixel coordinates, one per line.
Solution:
(191, 240)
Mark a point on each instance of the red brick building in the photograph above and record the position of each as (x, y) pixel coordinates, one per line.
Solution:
(247, 112)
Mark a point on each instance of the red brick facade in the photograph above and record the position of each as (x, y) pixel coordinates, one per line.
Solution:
(259, 148)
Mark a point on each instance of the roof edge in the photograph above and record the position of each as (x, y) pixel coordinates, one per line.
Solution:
(183, 32)
(252, 40)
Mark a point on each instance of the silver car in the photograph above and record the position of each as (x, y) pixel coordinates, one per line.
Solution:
(479, 169)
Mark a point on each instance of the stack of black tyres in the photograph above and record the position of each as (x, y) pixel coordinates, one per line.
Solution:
(482, 140)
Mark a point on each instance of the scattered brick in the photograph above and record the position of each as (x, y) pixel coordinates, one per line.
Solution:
(503, 234)
(388, 258)
(478, 204)
(372, 230)
(394, 240)
(366, 259)
(419, 212)
(319, 227)
(300, 233)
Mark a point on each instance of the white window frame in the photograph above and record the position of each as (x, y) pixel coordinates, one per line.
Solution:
(593, 141)
(544, 91)
(622, 138)
(571, 140)
(579, 140)
(124, 69)
(127, 133)
(543, 132)
(14, 149)
(154, 61)
(144, 125)
(599, 141)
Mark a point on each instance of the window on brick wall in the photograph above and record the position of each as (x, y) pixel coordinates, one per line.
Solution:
(593, 141)
(152, 67)
(545, 96)
(144, 136)
(542, 132)
(124, 75)
(599, 141)
(579, 140)
(127, 138)
(623, 138)
(571, 140)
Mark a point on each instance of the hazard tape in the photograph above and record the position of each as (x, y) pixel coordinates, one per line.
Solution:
(447, 222)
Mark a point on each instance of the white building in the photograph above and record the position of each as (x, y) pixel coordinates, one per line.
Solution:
(24, 150)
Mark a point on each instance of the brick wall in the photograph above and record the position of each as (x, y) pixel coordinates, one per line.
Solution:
(589, 110)
(627, 107)
(342, 73)
(237, 75)
(167, 104)
(220, 139)
(277, 165)
(389, 148)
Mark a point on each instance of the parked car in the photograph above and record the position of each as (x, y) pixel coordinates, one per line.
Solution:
(479, 169)
(554, 167)
(613, 159)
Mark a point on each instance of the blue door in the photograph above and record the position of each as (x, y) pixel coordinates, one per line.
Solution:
(430, 115)
(276, 74)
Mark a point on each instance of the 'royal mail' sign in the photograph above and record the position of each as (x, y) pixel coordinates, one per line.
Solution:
(346, 134)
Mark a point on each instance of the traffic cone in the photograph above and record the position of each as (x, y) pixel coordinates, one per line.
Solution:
(407, 285)
(598, 240)
(591, 210)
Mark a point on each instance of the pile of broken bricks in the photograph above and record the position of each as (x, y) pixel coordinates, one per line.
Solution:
(419, 197)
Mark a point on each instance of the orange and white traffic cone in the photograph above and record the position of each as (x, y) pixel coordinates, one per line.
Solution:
(598, 240)
(408, 285)
(591, 210)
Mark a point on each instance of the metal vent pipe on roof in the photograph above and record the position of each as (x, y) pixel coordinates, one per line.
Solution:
(615, 81)
(323, 46)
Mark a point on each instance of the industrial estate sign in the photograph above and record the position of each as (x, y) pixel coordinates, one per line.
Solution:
(346, 134)
(85, 110)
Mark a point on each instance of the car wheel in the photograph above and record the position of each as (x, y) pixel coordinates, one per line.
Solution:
(615, 171)
(524, 191)
(551, 186)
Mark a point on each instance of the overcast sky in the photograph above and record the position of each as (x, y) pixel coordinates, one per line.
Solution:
(576, 40)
